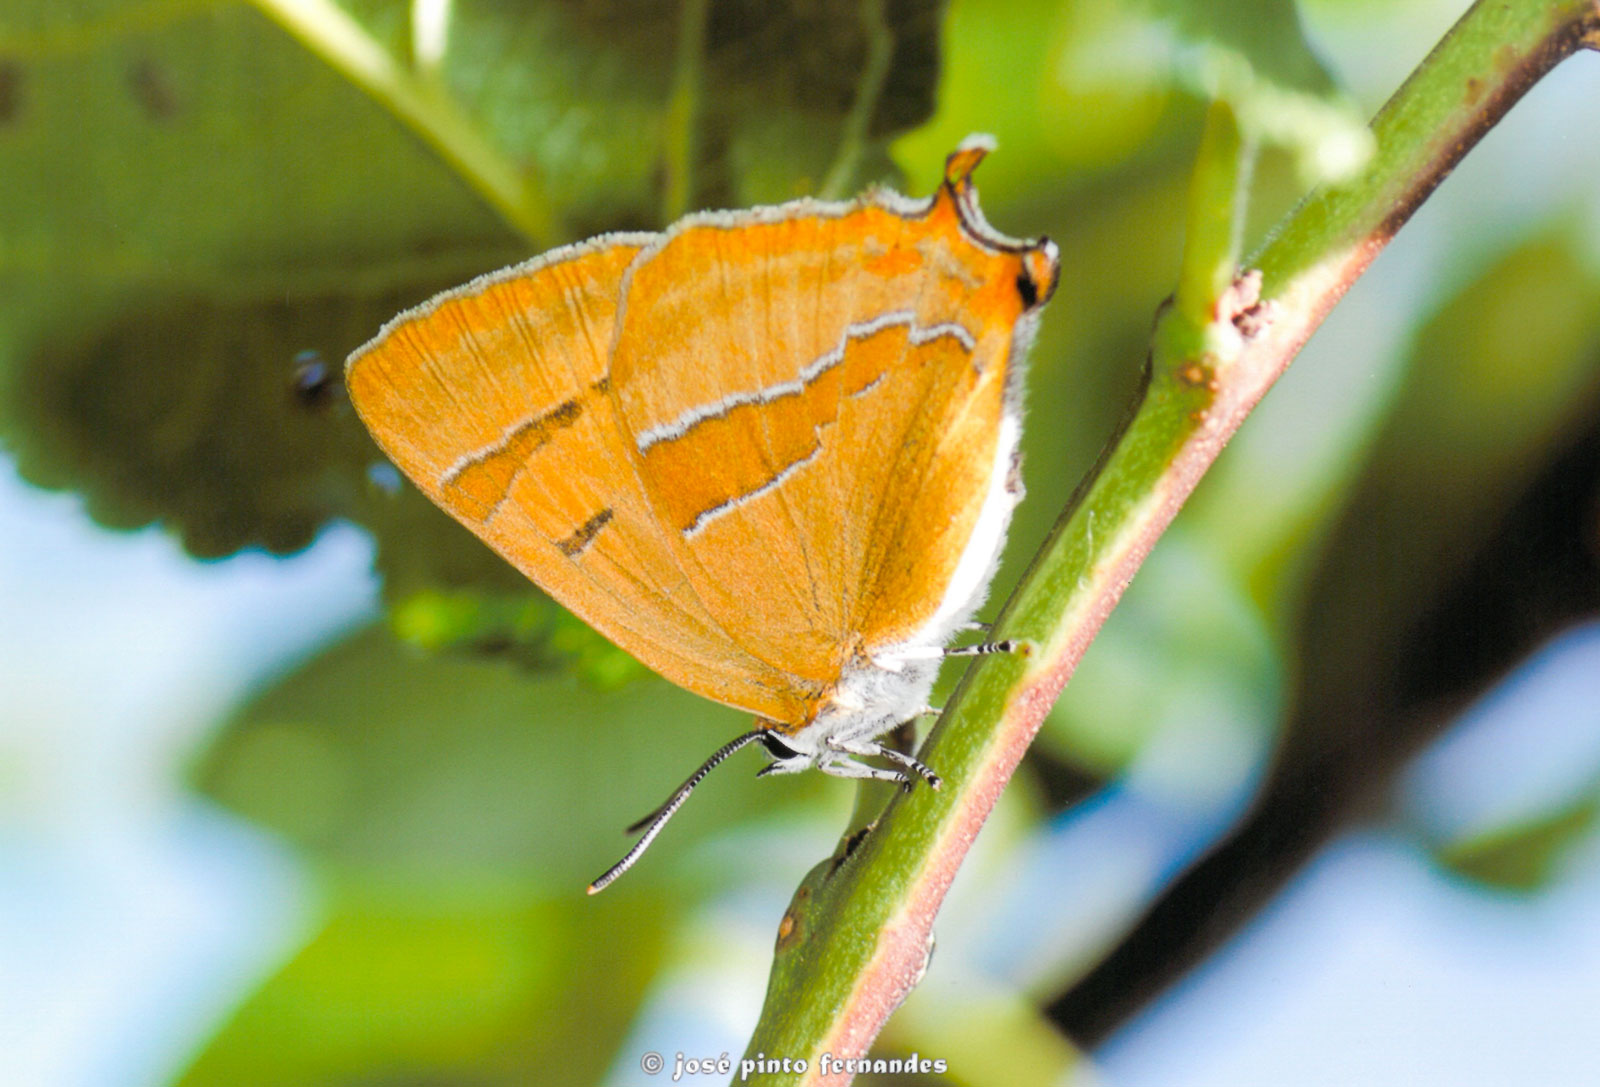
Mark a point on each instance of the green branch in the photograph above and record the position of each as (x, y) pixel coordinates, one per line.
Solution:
(1215, 214)
(683, 109)
(857, 935)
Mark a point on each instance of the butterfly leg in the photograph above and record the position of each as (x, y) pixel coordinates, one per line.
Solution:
(785, 766)
(895, 660)
(984, 649)
(871, 748)
(842, 767)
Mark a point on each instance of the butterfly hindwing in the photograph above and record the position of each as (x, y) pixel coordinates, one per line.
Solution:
(815, 395)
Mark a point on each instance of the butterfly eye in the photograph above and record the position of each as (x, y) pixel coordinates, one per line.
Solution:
(1040, 270)
(777, 748)
(1028, 289)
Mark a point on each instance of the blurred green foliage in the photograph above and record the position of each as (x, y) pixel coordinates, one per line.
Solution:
(435, 770)
(195, 200)
(467, 990)
(1528, 855)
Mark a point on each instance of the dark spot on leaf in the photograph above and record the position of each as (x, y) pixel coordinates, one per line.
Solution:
(313, 384)
(10, 90)
(152, 89)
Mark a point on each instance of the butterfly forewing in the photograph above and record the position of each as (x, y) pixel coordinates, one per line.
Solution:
(494, 400)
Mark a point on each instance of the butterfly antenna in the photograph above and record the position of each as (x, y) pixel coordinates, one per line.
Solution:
(657, 819)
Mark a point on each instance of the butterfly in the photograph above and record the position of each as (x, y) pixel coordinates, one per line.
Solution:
(771, 453)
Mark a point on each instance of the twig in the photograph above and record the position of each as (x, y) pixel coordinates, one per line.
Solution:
(858, 934)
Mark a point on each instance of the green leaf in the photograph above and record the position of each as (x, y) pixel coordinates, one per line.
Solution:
(195, 198)
(193, 201)
(1528, 855)
(185, 412)
(1255, 56)
(1038, 112)
(197, 146)
(465, 991)
(1088, 83)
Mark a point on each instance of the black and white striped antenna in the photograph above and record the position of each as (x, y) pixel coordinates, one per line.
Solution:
(657, 819)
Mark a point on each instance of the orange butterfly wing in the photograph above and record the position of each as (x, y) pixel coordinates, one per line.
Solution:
(493, 399)
(746, 450)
